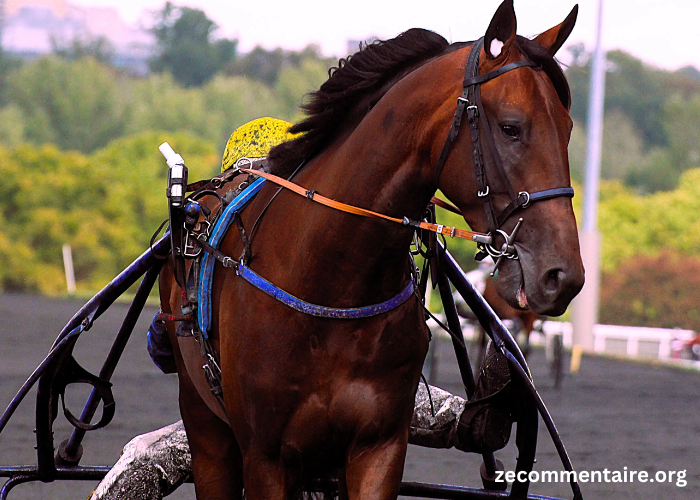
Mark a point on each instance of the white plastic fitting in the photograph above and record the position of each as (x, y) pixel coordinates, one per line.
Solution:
(171, 157)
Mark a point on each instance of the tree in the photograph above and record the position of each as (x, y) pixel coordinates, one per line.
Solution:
(158, 103)
(73, 104)
(185, 45)
(98, 48)
(654, 291)
(8, 64)
(296, 81)
(233, 101)
(267, 65)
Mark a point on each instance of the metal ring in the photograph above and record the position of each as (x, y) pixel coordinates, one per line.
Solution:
(527, 196)
(481, 194)
(493, 251)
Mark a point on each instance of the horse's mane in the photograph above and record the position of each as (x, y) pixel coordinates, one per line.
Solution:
(356, 77)
(365, 73)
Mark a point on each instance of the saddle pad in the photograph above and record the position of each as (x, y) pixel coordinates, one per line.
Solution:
(206, 275)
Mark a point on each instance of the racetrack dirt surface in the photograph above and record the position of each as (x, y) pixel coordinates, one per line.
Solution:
(614, 414)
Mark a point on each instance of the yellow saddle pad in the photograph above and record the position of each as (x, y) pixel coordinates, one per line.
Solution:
(255, 139)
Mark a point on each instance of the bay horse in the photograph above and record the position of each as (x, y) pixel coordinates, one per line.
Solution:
(310, 397)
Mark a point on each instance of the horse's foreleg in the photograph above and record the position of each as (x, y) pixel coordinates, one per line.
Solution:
(217, 465)
(216, 459)
(375, 473)
(268, 479)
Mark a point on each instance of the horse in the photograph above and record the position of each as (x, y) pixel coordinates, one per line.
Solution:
(306, 396)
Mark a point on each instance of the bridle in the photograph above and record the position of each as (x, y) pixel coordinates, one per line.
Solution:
(470, 101)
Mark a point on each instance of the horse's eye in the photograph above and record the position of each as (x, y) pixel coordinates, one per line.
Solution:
(510, 131)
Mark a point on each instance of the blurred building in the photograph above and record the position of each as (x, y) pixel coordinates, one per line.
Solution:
(32, 27)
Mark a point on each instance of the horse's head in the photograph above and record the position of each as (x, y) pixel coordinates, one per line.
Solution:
(526, 130)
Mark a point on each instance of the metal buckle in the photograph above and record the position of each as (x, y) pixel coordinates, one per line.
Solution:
(483, 194)
(243, 162)
(191, 249)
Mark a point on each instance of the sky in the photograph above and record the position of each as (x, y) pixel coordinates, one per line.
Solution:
(660, 32)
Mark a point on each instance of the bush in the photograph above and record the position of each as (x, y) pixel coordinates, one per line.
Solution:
(655, 291)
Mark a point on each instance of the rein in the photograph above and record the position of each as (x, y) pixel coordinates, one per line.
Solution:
(343, 207)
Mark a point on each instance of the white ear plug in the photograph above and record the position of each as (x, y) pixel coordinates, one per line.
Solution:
(495, 48)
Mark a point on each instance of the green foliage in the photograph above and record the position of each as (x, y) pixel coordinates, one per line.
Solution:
(650, 119)
(106, 206)
(98, 48)
(268, 65)
(8, 64)
(11, 125)
(158, 103)
(186, 46)
(634, 225)
(234, 101)
(659, 291)
(75, 105)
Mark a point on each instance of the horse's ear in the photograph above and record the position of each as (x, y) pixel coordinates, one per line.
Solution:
(501, 32)
(554, 38)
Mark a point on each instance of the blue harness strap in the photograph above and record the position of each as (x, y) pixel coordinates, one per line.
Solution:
(323, 311)
(206, 275)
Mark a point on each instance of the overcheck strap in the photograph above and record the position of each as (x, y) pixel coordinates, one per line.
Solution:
(314, 196)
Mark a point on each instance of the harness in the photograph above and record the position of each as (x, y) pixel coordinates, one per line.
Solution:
(196, 233)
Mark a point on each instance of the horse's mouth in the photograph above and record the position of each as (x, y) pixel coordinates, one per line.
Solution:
(546, 289)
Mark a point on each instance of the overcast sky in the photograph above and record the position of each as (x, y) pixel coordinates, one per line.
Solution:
(661, 32)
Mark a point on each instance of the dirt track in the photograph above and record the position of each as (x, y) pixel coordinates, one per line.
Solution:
(615, 414)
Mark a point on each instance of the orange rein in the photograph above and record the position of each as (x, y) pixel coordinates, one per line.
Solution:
(436, 228)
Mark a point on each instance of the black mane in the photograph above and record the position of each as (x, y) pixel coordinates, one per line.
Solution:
(366, 72)
(355, 77)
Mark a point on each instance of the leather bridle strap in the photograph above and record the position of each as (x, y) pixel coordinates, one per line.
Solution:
(524, 199)
(343, 207)
(470, 101)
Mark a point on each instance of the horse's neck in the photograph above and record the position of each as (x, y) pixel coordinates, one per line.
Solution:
(383, 165)
(375, 176)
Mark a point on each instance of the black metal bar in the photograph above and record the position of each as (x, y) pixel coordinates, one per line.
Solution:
(549, 423)
(500, 334)
(12, 482)
(70, 451)
(115, 288)
(484, 313)
(460, 348)
(36, 374)
(25, 474)
(81, 321)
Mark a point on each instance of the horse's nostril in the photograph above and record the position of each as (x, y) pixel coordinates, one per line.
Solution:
(553, 280)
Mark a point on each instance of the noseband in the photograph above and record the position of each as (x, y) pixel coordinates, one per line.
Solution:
(471, 102)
